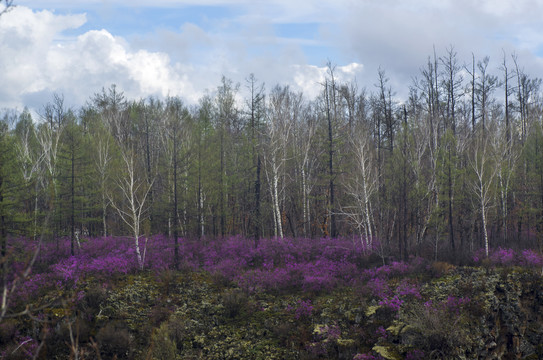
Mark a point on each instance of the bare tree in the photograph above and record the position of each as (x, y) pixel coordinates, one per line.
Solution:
(29, 158)
(283, 106)
(471, 89)
(453, 84)
(349, 93)
(527, 88)
(49, 139)
(102, 162)
(307, 157)
(484, 88)
(363, 185)
(424, 186)
(430, 135)
(427, 87)
(134, 192)
(505, 159)
(7, 6)
(330, 99)
(484, 170)
(508, 90)
(112, 106)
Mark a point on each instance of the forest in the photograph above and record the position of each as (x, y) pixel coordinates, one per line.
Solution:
(240, 203)
(455, 167)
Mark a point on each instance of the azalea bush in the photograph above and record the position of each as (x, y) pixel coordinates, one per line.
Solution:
(310, 265)
(509, 257)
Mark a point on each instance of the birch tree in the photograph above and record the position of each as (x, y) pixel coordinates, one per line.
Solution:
(307, 158)
(362, 186)
(49, 138)
(102, 162)
(134, 190)
(30, 159)
(505, 159)
(484, 170)
(279, 126)
(203, 134)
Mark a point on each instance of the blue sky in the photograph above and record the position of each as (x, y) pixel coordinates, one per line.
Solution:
(183, 47)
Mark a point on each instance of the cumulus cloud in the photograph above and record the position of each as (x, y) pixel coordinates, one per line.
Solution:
(37, 62)
(309, 79)
(40, 60)
(25, 41)
(44, 51)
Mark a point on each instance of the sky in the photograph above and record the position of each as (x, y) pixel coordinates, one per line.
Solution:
(183, 47)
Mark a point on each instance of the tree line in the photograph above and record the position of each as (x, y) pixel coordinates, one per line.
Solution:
(455, 167)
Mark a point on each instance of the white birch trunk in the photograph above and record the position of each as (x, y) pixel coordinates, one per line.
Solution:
(304, 201)
(276, 202)
(136, 197)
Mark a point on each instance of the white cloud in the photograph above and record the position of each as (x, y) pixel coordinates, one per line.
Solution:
(39, 61)
(399, 35)
(25, 41)
(309, 78)
(35, 63)
(396, 35)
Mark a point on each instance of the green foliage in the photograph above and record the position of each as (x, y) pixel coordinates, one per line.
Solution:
(114, 340)
(434, 330)
(162, 346)
(13, 189)
(234, 302)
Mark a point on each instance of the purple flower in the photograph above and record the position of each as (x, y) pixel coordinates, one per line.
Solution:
(303, 309)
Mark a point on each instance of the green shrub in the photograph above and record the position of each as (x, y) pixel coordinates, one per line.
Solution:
(114, 340)
(162, 345)
(434, 329)
(234, 301)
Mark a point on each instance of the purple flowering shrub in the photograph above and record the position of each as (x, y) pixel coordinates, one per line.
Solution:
(379, 285)
(509, 257)
(502, 256)
(302, 310)
(530, 258)
(310, 265)
(342, 304)
(276, 264)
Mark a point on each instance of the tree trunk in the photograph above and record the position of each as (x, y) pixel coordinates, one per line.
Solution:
(72, 192)
(275, 194)
(333, 231)
(257, 201)
(450, 193)
(175, 205)
(221, 183)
